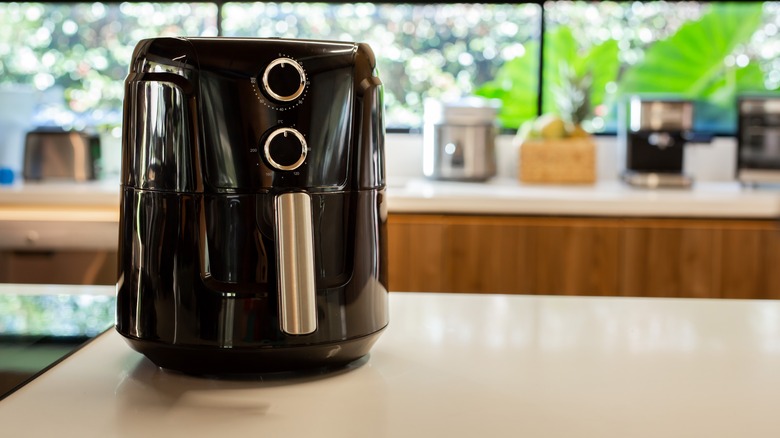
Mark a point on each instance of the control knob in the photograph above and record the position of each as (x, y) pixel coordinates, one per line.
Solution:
(285, 149)
(284, 79)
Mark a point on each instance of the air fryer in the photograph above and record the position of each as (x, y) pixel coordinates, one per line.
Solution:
(252, 222)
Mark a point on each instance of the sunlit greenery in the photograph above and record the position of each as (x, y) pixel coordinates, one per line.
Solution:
(424, 51)
(84, 49)
(597, 52)
(706, 52)
(55, 315)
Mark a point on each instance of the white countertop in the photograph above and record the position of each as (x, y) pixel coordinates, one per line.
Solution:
(85, 216)
(496, 196)
(605, 198)
(58, 194)
(455, 366)
(68, 215)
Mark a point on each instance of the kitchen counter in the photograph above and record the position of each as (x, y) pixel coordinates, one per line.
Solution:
(605, 198)
(97, 194)
(496, 196)
(51, 216)
(456, 366)
(59, 216)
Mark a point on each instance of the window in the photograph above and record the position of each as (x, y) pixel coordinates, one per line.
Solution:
(424, 51)
(707, 52)
(75, 55)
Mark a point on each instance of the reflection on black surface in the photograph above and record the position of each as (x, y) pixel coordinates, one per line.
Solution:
(36, 331)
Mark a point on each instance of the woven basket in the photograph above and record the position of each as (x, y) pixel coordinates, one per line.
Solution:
(564, 161)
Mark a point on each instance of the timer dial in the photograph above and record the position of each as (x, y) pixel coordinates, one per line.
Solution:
(284, 79)
(285, 149)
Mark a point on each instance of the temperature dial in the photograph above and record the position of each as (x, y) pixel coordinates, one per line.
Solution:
(284, 79)
(285, 149)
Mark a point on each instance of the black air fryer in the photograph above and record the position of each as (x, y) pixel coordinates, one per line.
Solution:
(252, 225)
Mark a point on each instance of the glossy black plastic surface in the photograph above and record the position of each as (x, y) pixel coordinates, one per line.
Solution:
(196, 116)
(197, 255)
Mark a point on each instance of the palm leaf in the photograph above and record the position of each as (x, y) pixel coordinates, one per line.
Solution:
(563, 55)
(691, 61)
(516, 84)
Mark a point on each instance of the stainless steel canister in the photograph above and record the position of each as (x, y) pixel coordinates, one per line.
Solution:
(459, 139)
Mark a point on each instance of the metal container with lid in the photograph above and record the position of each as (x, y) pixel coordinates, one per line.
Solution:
(459, 139)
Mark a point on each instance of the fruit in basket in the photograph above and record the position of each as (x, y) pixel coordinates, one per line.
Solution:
(577, 131)
(552, 150)
(549, 127)
(572, 103)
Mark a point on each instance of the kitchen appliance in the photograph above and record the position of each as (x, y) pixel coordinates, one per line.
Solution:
(54, 153)
(652, 134)
(252, 221)
(459, 139)
(758, 139)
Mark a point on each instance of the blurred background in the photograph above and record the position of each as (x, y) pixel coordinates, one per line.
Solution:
(62, 67)
(62, 64)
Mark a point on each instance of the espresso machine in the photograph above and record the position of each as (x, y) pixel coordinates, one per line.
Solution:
(652, 134)
(758, 139)
(253, 210)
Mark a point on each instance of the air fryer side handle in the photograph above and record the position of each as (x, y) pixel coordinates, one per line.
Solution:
(370, 124)
(295, 259)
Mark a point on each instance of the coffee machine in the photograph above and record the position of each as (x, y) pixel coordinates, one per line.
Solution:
(652, 133)
(253, 210)
(758, 139)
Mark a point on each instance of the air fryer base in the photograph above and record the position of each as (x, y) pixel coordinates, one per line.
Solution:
(208, 360)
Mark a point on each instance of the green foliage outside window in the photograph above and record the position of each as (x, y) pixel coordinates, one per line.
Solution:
(84, 49)
(439, 51)
(55, 315)
(707, 53)
(705, 60)
(596, 53)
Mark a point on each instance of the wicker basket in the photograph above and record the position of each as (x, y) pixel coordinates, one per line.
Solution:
(564, 161)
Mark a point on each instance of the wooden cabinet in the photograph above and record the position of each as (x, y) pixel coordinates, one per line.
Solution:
(669, 258)
(585, 256)
(503, 254)
(749, 262)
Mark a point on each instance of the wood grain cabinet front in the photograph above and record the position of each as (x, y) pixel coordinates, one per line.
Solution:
(496, 254)
(749, 262)
(585, 256)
